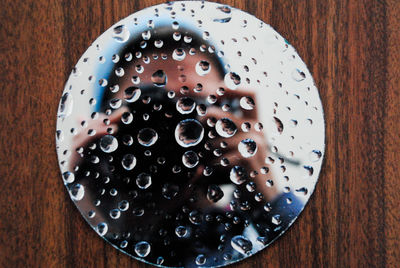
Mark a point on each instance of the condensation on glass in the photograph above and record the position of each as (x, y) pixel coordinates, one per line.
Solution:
(190, 134)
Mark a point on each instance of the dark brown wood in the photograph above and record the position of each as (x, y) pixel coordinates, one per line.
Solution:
(352, 49)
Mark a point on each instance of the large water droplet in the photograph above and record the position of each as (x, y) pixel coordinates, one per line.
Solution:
(203, 67)
(225, 127)
(238, 175)
(77, 192)
(142, 249)
(190, 159)
(108, 143)
(189, 132)
(120, 33)
(214, 193)
(143, 181)
(129, 161)
(247, 103)
(185, 105)
(241, 244)
(132, 94)
(159, 78)
(247, 148)
(147, 137)
(66, 103)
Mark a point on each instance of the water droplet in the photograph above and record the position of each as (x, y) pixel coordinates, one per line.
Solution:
(241, 244)
(159, 78)
(68, 177)
(129, 161)
(142, 249)
(179, 54)
(108, 143)
(127, 118)
(247, 148)
(147, 137)
(298, 75)
(232, 80)
(181, 231)
(115, 103)
(185, 105)
(77, 192)
(201, 260)
(146, 35)
(315, 155)
(201, 109)
(66, 104)
(120, 33)
(169, 190)
(102, 228)
(247, 103)
(190, 159)
(189, 132)
(195, 217)
(115, 213)
(123, 205)
(238, 175)
(132, 94)
(276, 219)
(262, 240)
(203, 67)
(225, 127)
(143, 181)
(214, 193)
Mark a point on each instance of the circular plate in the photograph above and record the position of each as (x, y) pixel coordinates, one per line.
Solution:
(190, 134)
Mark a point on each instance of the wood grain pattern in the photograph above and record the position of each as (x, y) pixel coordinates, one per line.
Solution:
(350, 47)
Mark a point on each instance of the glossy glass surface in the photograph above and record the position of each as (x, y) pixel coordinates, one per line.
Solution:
(190, 134)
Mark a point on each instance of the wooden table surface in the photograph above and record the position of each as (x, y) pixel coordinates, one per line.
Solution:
(350, 47)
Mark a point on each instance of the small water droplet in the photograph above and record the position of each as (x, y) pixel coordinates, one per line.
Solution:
(159, 78)
(68, 177)
(181, 231)
(179, 54)
(247, 148)
(129, 161)
(102, 228)
(241, 244)
(225, 127)
(185, 105)
(214, 193)
(132, 94)
(247, 103)
(66, 104)
(147, 137)
(108, 143)
(201, 260)
(142, 249)
(190, 159)
(232, 80)
(143, 181)
(115, 213)
(238, 175)
(77, 192)
(189, 132)
(120, 33)
(298, 75)
(203, 67)
(169, 190)
(315, 155)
